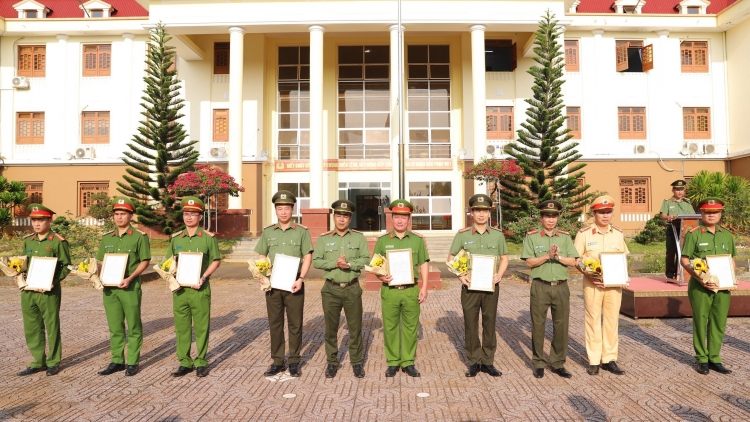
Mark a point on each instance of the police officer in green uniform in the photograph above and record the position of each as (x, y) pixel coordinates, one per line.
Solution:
(192, 305)
(400, 304)
(481, 239)
(288, 238)
(41, 309)
(342, 253)
(123, 303)
(670, 209)
(710, 308)
(548, 252)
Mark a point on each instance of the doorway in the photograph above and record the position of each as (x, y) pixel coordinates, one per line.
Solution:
(370, 199)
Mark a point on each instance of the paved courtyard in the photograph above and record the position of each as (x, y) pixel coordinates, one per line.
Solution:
(657, 355)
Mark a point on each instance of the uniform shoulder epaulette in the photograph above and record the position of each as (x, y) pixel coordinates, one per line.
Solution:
(208, 233)
(108, 233)
(141, 232)
(694, 229)
(270, 225)
(59, 236)
(465, 229)
(418, 235)
(584, 229)
(328, 232)
(617, 228)
(28, 235)
(177, 234)
(352, 230)
(300, 225)
(384, 234)
(532, 231)
(564, 232)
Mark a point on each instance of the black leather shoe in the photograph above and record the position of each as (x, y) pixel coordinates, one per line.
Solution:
(182, 371)
(538, 372)
(613, 368)
(563, 372)
(391, 371)
(593, 370)
(201, 371)
(53, 370)
(131, 370)
(491, 370)
(474, 370)
(112, 368)
(702, 368)
(294, 370)
(411, 371)
(273, 370)
(719, 368)
(359, 370)
(30, 370)
(331, 370)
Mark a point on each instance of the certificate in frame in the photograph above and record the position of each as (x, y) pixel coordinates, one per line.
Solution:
(284, 272)
(482, 272)
(113, 269)
(41, 273)
(721, 267)
(614, 269)
(189, 267)
(400, 267)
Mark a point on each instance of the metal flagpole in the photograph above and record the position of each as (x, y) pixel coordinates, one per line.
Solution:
(401, 169)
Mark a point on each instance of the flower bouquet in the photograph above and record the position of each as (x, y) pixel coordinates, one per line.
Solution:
(701, 268)
(261, 271)
(166, 269)
(15, 267)
(378, 265)
(590, 265)
(87, 269)
(460, 264)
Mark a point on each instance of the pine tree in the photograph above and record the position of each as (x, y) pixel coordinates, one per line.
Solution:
(544, 149)
(158, 152)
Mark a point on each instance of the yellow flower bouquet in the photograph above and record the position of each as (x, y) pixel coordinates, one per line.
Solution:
(701, 268)
(87, 270)
(378, 265)
(590, 265)
(460, 264)
(261, 271)
(15, 267)
(166, 270)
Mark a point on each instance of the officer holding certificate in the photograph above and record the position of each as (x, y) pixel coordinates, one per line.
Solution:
(480, 239)
(670, 209)
(710, 305)
(287, 238)
(42, 309)
(548, 252)
(192, 305)
(123, 303)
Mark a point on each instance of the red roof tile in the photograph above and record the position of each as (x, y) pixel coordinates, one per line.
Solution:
(71, 9)
(652, 6)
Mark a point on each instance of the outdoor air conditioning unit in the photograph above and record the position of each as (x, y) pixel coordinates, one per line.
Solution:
(709, 149)
(85, 153)
(20, 82)
(490, 149)
(639, 149)
(693, 147)
(218, 152)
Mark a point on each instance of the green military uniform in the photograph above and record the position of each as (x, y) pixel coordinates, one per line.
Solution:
(342, 289)
(294, 241)
(674, 206)
(42, 310)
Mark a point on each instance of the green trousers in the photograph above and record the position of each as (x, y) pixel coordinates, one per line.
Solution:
(279, 302)
(400, 323)
(350, 299)
(543, 297)
(709, 320)
(474, 303)
(122, 305)
(41, 325)
(192, 310)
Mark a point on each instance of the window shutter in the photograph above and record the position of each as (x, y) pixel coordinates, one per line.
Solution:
(622, 57)
(221, 58)
(221, 125)
(500, 123)
(571, 56)
(574, 121)
(648, 57)
(493, 131)
(105, 60)
(25, 61)
(34, 192)
(700, 57)
(639, 123)
(85, 191)
(513, 56)
(634, 195)
(90, 59)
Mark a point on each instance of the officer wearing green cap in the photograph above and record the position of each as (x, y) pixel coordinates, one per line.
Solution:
(288, 238)
(549, 251)
(123, 303)
(710, 305)
(481, 239)
(342, 253)
(41, 309)
(670, 209)
(192, 305)
(401, 304)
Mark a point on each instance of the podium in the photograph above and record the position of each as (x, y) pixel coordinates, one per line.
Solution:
(685, 223)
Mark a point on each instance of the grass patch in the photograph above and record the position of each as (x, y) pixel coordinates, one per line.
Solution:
(159, 246)
(651, 248)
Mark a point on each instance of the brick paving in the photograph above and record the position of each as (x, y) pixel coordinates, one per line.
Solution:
(657, 355)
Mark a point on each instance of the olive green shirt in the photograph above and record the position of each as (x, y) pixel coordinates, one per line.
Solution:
(330, 246)
(491, 242)
(53, 245)
(672, 206)
(411, 240)
(202, 241)
(294, 241)
(537, 243)
(133, 242)
(699, 242)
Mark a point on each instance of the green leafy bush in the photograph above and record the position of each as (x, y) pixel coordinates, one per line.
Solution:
(733, 190)
(525, 223)
(654, 263)
(12, 245)
(653, 232)
(83, 240)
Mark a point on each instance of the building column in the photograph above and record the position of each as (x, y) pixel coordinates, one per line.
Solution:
(595, 146)
(479, 107)
(396, 96)
(61, 80)
(236, 74)
(126, 88)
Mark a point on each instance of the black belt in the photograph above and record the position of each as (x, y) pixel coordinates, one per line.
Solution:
(401, 286)
(336, 283)
(551, 283)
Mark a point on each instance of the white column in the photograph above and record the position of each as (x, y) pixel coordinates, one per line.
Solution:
(395, 96)
(316, 117)
(659, 98)
(599, 69)
(479, 107)
(128, 121)
(236, 59)
(61, 79)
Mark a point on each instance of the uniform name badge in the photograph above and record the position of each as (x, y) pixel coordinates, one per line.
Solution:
(482, 273)
(614, 269)
(284, 272)
(113, 269)
(189, 268)
(41, 273)
(722, 267)
(400, 267)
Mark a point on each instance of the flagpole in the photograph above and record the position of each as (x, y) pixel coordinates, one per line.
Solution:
(399, 102)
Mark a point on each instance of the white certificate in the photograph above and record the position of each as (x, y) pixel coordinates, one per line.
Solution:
(481, 273)
(113, 268)
(614, 269)
(721, 266)
(189, 268)
(284, 272)
(400, 267)
(41, 273)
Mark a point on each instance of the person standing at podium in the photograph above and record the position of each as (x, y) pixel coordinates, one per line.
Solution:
(670, 209)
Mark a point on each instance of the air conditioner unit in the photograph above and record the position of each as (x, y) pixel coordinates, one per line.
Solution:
(218, 152)
(490, 149)
(20, 82)
(693, 147)
(639, 149)
(709, 149)
(85, 153)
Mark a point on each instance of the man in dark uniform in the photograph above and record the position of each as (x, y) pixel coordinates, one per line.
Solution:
(41, 309)
(483, 240)
(549, 252)
(342, 253)
(670, 209)
(288, 238)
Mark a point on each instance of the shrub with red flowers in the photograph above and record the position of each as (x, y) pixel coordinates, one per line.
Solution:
(205, 181)
(491, 170)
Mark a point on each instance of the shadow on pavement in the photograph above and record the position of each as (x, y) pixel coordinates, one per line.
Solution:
(244, 335)
(452, 325)
(689, 414)
(370, 324)
(16, 412)
(588, 410)
(658, 345)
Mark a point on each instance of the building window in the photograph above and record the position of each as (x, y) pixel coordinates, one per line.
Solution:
(500, 56)
(571, 56)
(364, 102)
(221, 58)
(222, 202)
(85, 191)
(30, 128)
(95, 127)
(32, 14)
(696, 122)
(574, 121)
(32, 60)
(632, 56)
(631, 122)
(432, 205)
(294, 103)
(694, 56)
(97, 13)
(97, 60)
(428, 90)
(302, 192)
(693, 10)
(34, 192)
(634, 194)
(221, 125)
(500, 123)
